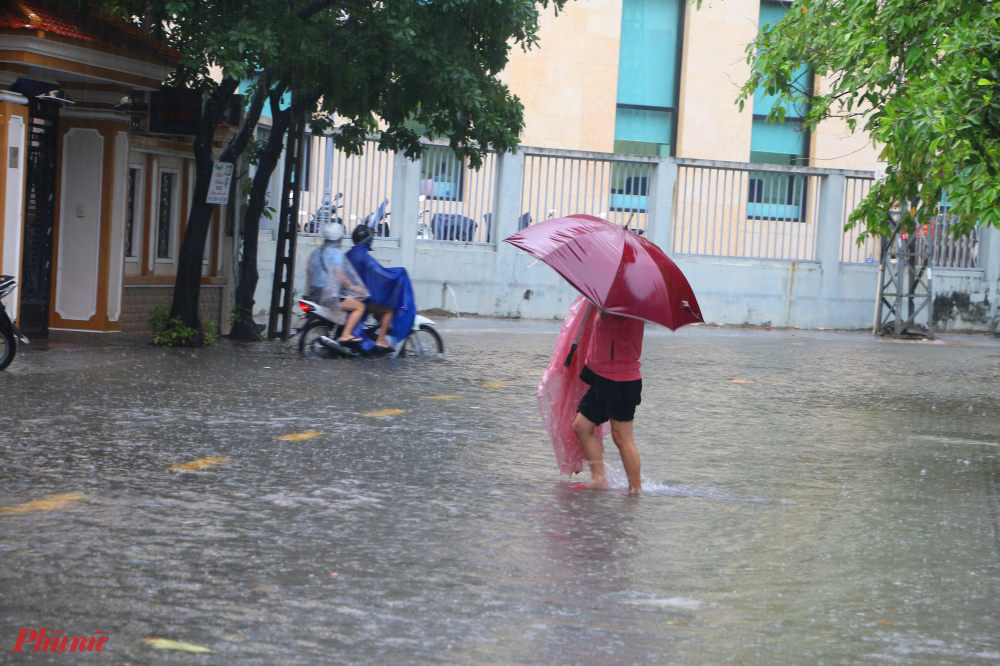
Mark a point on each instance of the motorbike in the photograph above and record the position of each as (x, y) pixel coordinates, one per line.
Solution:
(378, 220)
(9, 335)
(318, 335)
(325, 214)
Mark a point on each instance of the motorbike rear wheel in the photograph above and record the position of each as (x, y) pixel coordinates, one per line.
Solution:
(8, 347)
(424, 342)
(309, 346)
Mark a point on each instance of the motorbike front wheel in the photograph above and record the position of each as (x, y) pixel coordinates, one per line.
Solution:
(424, 342)
(8, 347)
(309, 345)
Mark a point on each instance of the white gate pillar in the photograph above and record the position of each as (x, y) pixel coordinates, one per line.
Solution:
(829, 230)
(405, 192)
(508, 212)
(660, 214)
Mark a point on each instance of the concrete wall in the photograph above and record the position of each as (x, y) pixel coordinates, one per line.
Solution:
(497, 279)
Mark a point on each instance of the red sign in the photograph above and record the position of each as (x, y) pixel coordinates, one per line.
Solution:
(55, 641)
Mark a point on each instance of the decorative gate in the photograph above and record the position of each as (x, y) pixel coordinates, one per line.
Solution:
(39, 218)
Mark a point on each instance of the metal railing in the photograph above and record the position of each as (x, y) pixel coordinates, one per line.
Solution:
(757, 212)
(946, 250)
(951, 252)
(869, 251)
(615, 189)
(365, 181)
(459, 202)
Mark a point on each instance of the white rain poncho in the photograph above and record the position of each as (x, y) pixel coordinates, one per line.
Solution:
(331, 278)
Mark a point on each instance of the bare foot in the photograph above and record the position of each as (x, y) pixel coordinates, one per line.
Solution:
(598, 484)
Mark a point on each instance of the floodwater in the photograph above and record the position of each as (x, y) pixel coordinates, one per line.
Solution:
(839, 504)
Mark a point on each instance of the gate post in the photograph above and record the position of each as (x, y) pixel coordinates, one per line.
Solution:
(989, 260)
(405, 192)
(660, 218)
(507, 215)
(829, 221)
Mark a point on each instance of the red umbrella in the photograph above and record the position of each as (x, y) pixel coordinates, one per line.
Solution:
(616, 269)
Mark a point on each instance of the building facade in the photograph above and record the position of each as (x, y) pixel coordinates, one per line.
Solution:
(660, 77)
(94, 204)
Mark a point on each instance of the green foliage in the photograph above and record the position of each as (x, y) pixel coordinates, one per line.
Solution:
(918, 76)
(378, 65)
(239, 315)
(171, 331)
(209, 331)
(158, 317)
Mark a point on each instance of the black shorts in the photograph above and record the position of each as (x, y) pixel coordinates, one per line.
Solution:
(608, 399)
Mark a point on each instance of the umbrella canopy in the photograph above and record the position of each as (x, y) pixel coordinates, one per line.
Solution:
(615, 268)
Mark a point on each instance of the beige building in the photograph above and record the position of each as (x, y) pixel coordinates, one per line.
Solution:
(660, 77)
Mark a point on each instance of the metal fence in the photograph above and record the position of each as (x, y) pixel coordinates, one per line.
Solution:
(869, 251)
(951, 252)
(364, 180)
(754, 212)
(947, 251)
(459, 203)
(609, 188)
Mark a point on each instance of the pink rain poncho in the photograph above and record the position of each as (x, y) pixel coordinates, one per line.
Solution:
(561, 389)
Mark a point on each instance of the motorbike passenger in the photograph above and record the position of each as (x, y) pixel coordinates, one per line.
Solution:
(334, 284)
(362, 237)
(391, 294)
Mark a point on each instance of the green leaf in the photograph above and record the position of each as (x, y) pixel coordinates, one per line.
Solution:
(167, 644)
(984, 82)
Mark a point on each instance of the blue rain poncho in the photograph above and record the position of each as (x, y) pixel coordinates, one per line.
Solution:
(389, 287)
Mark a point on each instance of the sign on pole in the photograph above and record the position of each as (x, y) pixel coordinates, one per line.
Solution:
(222, 176)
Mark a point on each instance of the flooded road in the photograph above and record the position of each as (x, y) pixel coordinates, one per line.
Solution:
(811, 498)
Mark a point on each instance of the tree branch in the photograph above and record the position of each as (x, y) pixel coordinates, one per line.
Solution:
(240, 141)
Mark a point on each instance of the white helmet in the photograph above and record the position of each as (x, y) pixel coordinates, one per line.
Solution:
(333, 232)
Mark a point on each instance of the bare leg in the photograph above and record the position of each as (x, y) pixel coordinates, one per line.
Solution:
(621, 433)
(386, 314)
(584, 430)
(357, 310)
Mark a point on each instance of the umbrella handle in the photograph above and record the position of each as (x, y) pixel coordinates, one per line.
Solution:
(572, 350)
(687, 306)
(569, 357)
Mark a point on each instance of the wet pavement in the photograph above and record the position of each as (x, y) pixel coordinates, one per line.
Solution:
(812, 498)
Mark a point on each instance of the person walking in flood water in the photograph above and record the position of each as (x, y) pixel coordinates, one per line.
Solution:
(612, 371)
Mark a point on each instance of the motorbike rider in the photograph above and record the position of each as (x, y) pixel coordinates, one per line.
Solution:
(362, 237)
(391, 293)
(334, 284)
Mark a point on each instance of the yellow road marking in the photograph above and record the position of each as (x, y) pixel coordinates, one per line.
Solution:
(167, 644)
(442, 397)
(200, 463)
(385, 412)
(50, 503)
(300, 436)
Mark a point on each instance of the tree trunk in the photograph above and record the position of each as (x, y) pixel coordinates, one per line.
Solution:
(245, 329)
(187, 285)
